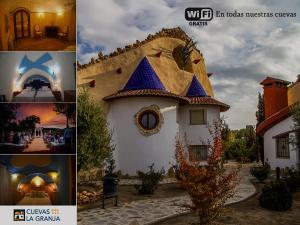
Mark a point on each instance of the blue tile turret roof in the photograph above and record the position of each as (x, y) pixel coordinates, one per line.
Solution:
(144, 77)
(196, 89)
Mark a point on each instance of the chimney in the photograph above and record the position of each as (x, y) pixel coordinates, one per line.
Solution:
(275, 95)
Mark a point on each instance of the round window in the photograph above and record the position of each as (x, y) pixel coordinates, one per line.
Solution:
(149, 120)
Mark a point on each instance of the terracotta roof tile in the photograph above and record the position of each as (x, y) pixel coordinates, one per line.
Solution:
(273, 120)
(209, 101)
(270, 80)
(147, 93)
(161, 93)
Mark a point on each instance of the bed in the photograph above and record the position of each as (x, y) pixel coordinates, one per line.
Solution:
(44, 94)
(27, 95)
(35, 198)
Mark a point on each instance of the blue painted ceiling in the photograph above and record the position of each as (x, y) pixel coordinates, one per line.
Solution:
(29, 169)
(28, 178)
(26, 65)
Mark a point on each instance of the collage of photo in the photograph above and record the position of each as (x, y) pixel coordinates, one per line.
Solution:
(149, 112)
(38, 102)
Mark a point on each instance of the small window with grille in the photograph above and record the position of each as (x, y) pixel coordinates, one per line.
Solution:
(282, 149)
(198, 152)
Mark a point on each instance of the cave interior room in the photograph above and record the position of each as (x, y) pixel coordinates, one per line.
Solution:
(37, 180)
(37, 76)
(35, 25)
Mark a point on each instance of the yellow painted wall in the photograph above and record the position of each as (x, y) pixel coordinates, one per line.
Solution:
(4, 36)
(294, 93)
(44, 13)
(53, 19)
(108, 81)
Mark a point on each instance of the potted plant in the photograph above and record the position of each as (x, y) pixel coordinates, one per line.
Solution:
(110, 181)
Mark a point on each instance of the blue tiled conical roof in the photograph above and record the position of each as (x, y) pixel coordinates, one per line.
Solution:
(144, 77)
(196, 89)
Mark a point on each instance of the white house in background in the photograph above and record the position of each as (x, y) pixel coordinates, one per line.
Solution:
(277, 128)
(146, 118)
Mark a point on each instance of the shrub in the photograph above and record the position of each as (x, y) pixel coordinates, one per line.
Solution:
(209, 186)
(276, 196)
(177, 172)
(94, 143)
(149, 180)
(293, 180)
(237, 149)
(261, 173)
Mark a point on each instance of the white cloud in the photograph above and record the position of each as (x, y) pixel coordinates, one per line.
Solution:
(240, 52)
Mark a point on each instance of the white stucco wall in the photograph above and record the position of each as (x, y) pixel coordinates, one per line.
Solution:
(270, 145)
(135, 151)
(197, 134)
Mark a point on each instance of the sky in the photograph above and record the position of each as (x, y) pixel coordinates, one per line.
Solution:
(44, 111)
(240, 52)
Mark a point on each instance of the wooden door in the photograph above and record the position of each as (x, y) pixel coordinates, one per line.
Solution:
(22, 24)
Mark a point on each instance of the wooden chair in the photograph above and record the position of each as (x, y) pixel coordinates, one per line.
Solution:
(37, 31)
(63, 34)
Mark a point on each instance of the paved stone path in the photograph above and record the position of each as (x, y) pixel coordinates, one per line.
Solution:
(148, 211)
(37, 145)
(137, 181)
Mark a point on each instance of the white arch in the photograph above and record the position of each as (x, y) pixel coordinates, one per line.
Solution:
(19, 83)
